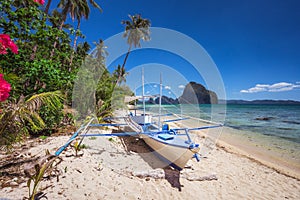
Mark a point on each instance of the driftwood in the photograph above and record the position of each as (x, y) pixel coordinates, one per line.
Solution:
(195, 177)
(156, 174)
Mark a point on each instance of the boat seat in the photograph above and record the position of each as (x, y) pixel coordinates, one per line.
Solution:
(165, 136)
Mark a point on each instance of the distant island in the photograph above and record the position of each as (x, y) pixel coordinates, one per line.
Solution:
(193, 93)
(196, 93)
(265, 102)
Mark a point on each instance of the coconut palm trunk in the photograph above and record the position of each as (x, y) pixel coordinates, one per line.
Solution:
(75, 42)
(56, 39)
(48, 6)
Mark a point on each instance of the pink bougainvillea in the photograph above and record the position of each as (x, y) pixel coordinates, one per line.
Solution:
(40, 1)
(4, 88)
(6, 42)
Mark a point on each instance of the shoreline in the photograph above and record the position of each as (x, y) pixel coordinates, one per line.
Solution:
(261, 151)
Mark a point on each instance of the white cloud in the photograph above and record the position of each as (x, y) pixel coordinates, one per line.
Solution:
(262, 85)
(181, 86)
(276, 87)
(167, 87)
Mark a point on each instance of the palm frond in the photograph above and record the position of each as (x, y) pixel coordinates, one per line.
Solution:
(51, 99)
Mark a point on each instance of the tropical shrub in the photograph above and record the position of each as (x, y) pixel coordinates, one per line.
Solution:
(35, 32)
(20, 118)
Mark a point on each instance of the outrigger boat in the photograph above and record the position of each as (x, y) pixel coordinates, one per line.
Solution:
(172, 145)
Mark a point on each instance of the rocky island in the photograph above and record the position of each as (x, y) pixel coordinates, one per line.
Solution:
(193, 93)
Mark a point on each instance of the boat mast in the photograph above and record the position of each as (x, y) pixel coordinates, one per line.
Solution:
(143, 94)
(135, 101)
(160, 94)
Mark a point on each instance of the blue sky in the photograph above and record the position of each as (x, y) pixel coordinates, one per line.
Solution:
(254, 44)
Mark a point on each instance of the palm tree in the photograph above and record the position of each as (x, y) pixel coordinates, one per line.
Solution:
(120, 74)
(77, 9)
(81, 11)
(136, 29)
(67, 7)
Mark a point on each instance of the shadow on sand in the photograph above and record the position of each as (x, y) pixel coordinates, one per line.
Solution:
(137, 145)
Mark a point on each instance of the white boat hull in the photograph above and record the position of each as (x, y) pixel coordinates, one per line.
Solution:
(142, 119)
(176, 156)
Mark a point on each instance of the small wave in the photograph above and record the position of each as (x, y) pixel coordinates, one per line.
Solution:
(243, 127)
(233, 126)
(297, 140)
(287, 129)
(269, 134)
(264, 118)
(293, 139)
(290, 122)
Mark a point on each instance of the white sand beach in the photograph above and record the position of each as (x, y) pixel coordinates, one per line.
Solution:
(124, 168)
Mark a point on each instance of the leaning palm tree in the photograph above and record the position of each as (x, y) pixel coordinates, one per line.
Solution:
(120, 74)
(17, 119)
(136, 29)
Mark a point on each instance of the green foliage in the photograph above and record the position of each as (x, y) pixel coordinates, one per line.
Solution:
(47, 61)
(32, 31)
(40, 171)
(52, 117)
(77, 147)
(94, 86)
(33, 71)
(118, 96)
(20, 118)
(43, 137)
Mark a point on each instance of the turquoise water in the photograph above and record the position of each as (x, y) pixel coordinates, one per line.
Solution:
(280, 121)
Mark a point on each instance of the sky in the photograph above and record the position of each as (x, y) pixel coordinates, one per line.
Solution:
(250, 48)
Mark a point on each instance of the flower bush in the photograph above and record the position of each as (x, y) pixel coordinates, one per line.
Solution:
(7, 43)
(4, 88)
(40, 1)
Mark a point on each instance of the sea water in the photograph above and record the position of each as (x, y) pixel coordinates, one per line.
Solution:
(276, 127)
(281, 121)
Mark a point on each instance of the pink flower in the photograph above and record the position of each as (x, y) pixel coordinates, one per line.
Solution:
(4, 88)
(6, 42)
(40, 1)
